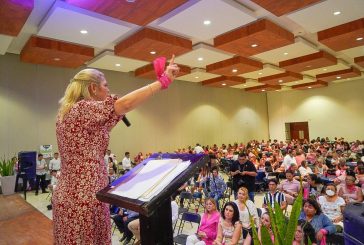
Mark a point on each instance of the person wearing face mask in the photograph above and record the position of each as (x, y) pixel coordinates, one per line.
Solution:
(332, 205)
(350, 192)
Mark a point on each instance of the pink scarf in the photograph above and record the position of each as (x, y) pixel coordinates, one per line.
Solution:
(159, 64)
(323, 240)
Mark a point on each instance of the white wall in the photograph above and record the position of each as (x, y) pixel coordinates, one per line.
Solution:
(334, 111)
(183, 115)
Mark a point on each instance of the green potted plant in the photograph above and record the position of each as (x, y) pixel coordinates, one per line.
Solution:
(283, 227)
(7, 177)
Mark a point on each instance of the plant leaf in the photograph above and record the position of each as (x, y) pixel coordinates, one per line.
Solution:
(293, 220)
(266, 240)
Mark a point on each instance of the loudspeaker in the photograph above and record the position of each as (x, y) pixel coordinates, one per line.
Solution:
(27, 163)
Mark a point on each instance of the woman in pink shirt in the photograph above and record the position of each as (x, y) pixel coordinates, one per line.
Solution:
(207, 231)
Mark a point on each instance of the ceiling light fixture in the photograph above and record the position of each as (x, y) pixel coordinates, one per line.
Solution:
(56, 59)
(130, 1)
(153, 52)
(244, 85)
(197, 77)
(337, 13)
(263, 90)
(260, 73)
(309, 87)
(308, 66)
(117, 65)
(338, 77)
(280, 80)
(285, 53)
(324, 69)
(84, 31)
(206, 22)
(224, 84)
(234, 70)
(200, 59)
(254, 45)
(359, 39)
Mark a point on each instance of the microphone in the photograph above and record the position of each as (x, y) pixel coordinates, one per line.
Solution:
(126, 121)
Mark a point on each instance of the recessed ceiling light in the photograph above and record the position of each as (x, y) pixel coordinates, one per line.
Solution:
(309, 87)
(338, 77)
(130, 1)
(117, 65)
(308, 66)
(200, 59)
(254, 45)
(84, 31)
(277, 90)
(206, 22)
(280, 80)
(359, 39)
(285, 53)
(234, 70)
(260, 73)
(337, 13)
(224, 84)
(56, 59)
(296, 82)
(263, 90)
(324, 69)
(197, 77)
(244, 85)
(153, 52)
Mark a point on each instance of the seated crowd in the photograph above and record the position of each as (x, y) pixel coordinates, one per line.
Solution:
(332, 174)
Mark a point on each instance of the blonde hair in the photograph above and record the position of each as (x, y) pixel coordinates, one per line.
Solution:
(77, 89)
(244, 189)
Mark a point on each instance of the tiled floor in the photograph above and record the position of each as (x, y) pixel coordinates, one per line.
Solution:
(41, 201)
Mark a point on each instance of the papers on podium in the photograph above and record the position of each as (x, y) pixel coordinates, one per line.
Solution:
(150, 179)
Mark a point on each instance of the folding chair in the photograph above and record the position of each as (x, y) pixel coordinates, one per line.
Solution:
(227, 193)
(186, 217)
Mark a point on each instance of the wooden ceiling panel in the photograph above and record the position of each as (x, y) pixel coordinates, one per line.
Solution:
(348, 35)
(148, 72)
(281, 7)
(55, 53)
(263, 33)
(337, 75)
(281, 78)
(139, 12)
(263, 88)
(13, 15)
(223, 81)
(317, 84)
(359, 61)
(139, 45)
(309, 62)
(234, 66)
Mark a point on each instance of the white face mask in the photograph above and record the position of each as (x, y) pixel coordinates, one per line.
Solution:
(330, 193)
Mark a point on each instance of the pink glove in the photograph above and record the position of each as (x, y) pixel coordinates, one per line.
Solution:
(159, 64)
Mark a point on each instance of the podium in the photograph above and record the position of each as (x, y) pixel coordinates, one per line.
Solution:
(155, 215)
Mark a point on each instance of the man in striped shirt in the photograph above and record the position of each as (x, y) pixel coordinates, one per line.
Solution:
(273, 196)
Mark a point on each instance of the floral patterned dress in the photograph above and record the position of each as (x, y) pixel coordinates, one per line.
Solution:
(83, 137)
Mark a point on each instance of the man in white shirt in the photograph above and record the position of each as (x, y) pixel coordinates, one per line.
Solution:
(55, 163)
(126, 161)
(198, 149)
(289, 159)
(40, 174)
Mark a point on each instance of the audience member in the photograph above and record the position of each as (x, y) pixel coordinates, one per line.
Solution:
(207, 231)
(312, 213)
(246, 209)
(290, 187)
(229, 227)
(332, 205)
(40, 174)
(273, 196)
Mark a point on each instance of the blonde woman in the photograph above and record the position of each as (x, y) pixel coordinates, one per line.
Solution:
(246, 208)
(86, 115)
(207, 230)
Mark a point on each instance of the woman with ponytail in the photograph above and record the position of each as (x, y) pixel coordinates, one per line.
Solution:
(86, 115)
